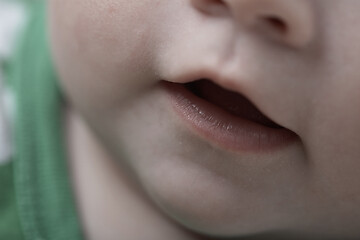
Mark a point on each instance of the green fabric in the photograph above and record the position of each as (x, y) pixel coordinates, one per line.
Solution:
(9, 220)
(44, 197)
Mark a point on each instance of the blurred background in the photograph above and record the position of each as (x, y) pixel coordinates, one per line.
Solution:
(12, 20)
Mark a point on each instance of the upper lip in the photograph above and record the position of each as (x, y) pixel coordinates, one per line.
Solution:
(228, 83)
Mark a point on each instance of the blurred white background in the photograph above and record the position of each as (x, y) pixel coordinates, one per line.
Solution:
(12, 19)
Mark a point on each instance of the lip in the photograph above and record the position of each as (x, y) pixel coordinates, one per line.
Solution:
(222, 129)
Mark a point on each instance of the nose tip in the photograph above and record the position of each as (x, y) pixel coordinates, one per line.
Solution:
(288, 21)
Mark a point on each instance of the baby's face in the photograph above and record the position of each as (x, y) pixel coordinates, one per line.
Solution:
(205, 155)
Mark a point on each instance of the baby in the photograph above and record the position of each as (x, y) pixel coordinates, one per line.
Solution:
(206, 119)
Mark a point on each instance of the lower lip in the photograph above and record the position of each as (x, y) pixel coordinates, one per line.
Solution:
(223, 129)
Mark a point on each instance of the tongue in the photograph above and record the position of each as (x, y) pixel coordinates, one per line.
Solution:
(232, 102)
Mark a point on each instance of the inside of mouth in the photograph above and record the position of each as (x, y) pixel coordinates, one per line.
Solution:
(232, 102)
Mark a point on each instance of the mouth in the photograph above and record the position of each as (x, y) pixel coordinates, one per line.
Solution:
(231, 102)
(226, 119)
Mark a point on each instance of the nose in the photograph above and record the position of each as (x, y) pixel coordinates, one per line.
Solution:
(288, 21)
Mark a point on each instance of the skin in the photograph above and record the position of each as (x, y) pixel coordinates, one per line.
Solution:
(139, 172)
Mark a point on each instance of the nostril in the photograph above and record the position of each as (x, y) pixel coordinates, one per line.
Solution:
(216, 1)
(211, 7)
(287, 22)
(276, 23)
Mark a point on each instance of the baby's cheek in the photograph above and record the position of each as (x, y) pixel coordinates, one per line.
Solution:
(103, 51)
(333, 142)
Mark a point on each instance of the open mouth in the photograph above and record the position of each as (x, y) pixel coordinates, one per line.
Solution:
(225, 118)
(232, 102)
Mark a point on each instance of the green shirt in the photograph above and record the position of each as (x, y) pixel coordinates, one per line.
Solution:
(9, 219)
(36, 200)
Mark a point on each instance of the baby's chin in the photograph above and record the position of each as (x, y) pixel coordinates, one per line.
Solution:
(207, 203)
